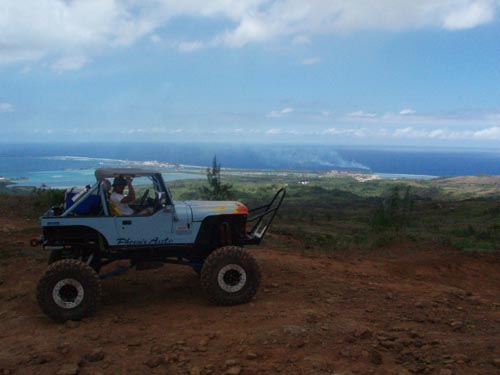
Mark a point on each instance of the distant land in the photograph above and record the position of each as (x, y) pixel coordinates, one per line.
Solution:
(61, 164)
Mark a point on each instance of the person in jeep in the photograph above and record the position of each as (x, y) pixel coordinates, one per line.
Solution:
(119, 199)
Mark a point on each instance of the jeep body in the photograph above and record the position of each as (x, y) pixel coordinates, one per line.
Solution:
(187, 229)
(89, 232)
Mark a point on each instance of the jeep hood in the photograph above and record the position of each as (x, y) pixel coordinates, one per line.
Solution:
(201, 209)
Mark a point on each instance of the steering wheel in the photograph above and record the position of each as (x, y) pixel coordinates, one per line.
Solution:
(144, 197)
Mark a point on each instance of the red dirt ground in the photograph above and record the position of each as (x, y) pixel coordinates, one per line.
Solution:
(399, 310)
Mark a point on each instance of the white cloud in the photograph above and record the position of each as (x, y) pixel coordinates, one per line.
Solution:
(69, 63)
(190, 46)
(274, 131)
(410, 117)
(280, 113)
(310, 61)
(406, 112)
(486, 134)
(58, 30)
(492, 133)
(362, 114)
(156, 39)
(6, 107)
(146, 131)
(408, 133)
(470, 14)
(301, 39)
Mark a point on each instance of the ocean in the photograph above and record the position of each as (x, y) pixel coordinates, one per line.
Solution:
(63, 165)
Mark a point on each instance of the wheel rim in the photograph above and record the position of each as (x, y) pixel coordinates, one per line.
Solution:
(232, 278)
(68, 293)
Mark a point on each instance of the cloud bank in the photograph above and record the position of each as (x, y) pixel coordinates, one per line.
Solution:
(6, 107)
(69, 33)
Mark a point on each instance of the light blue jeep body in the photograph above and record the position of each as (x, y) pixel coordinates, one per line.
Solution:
(171, 223)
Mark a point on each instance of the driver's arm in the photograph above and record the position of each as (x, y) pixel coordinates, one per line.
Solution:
(131, 192)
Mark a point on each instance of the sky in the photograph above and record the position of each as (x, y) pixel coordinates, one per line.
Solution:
(357, 72)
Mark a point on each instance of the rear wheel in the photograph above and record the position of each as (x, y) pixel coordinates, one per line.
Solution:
(69, 290)
(230, 276)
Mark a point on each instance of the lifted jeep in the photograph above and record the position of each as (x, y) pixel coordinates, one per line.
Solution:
(89, 233)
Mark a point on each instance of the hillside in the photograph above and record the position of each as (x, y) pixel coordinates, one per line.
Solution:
(347, 289)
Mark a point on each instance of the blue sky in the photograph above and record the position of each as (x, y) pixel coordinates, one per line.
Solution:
(391, 72)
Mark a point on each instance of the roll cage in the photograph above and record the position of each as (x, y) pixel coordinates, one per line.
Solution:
(100, 188)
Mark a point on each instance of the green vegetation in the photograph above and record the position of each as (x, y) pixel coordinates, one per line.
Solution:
(341, 213)
(216, 189)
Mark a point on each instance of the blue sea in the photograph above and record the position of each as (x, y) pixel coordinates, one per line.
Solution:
(63, 165)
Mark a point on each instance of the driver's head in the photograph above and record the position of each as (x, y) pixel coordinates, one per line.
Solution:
(119, 184)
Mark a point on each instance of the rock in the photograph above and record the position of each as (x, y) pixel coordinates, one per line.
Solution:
(42, 358)
(71, 324)
(95, 336)
(414, 335)
(294, 330)
(68, 369)
(171, 358)
(456, 324)
(158, 349)
(376, 357)
(252, 355)
(231, 363)
(195, 371)
(64, 348)
(95, 355)
(136, 342)
(462, 358)
(496, 362)
(419, 305)
(300, 344)
(153, 362)
(363, 334)
(233, 371)
(445, 371)
(418, 343)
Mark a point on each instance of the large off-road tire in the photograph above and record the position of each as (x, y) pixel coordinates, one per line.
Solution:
(57, 255)
(69, 290)
(230, 276)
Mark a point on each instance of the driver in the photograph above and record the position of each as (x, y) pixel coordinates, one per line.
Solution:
(120, 200)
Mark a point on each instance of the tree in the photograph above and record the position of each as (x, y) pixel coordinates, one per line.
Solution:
(394, 212)
(216, 190)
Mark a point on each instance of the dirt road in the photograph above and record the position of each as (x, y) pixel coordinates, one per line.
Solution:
(401, 310)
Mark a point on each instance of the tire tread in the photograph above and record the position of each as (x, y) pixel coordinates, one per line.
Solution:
(68, 266)
(213, 263)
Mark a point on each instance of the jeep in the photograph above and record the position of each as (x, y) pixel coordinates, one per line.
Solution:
(88, 232)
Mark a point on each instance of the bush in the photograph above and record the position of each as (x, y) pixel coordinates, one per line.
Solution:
(394, 212)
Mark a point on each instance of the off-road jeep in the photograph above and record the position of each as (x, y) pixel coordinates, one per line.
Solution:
(85, 235)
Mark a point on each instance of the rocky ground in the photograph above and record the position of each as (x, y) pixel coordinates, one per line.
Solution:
(408, 309)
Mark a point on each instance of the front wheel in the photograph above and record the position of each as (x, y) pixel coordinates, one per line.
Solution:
(69, 290)
(230, 276)
(54, 256)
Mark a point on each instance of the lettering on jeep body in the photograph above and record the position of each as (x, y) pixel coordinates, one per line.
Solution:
(154, 241)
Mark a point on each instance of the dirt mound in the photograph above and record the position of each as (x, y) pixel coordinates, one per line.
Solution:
(401, 310)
